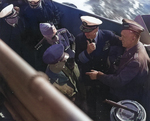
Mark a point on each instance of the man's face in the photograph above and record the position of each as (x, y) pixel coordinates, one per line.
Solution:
(34, 3)
(54, 29)
(13, 19)
(92, 34)
(127, 38)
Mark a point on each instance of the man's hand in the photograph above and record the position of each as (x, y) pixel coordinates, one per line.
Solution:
(17, 9)
(93, 74)
(90, 47)
(65, 89)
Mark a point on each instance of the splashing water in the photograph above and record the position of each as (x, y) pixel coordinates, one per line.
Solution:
(113, 9)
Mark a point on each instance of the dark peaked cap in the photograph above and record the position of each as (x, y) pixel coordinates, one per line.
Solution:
(132, 25)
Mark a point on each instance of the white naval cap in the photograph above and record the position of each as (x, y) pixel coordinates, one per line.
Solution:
(89, 23)
(6, 11)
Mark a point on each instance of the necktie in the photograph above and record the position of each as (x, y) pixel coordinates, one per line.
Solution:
(91, 40)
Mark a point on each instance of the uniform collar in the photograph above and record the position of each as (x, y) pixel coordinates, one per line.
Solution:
(96, 37)
(131, 51)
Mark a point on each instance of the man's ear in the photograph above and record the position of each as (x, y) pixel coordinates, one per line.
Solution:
(134, 37)
(97, 28)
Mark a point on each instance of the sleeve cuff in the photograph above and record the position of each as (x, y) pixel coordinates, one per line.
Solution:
(87, 55)
(83, 58)
(100, 77)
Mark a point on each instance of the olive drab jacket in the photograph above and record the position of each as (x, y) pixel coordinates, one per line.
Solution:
(66, 76)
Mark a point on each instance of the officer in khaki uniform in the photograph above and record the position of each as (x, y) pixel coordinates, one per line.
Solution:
(132, 73)
(63, 76)
(127, 82)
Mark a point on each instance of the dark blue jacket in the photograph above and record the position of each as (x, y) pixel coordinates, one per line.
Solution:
(67, 40)
(66, 76)
(98, 58)
(13, 36)
(33, 17)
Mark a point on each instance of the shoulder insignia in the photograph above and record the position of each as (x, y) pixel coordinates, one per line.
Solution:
(61, 31)
(106, 46)
(57, 81)
(136, 55)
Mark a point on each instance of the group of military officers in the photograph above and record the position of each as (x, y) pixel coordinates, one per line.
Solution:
(88, 68)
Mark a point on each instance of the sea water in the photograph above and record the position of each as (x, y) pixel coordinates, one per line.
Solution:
(113, 9)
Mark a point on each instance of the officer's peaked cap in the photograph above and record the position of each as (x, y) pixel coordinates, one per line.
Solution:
(132, 25)
(6, 11)
(89, 23)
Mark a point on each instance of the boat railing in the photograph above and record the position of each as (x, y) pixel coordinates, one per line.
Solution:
(29, 96)
(71, 19)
